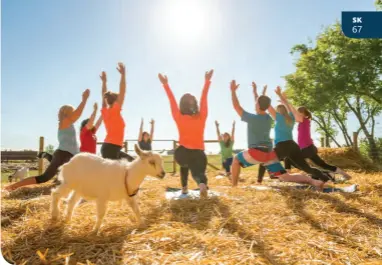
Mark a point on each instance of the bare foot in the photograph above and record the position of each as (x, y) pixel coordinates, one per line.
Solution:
(318, 184)
(203, 190)
(8, 188)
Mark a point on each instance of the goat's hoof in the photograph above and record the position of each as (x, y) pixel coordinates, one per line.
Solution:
(142, 224)
(54, 218)
(95, 232)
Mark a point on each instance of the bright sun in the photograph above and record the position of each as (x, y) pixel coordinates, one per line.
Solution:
(187, 20)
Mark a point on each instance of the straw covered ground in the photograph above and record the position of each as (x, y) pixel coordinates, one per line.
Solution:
(242, 226)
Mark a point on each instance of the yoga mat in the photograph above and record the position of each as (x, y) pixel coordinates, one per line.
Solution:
(176, 194)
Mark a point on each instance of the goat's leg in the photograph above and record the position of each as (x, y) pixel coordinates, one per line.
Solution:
(134, 205)
(61, 191)
(101, 210)
(73, 200)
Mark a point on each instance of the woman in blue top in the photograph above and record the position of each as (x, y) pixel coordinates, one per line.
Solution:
(68, 145)
(285, 147)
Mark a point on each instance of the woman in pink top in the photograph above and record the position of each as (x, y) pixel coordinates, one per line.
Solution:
(309, 150)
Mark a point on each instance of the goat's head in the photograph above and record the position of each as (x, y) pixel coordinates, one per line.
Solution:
(153, 162)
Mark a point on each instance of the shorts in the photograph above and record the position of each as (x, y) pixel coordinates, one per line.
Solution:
(269, 160)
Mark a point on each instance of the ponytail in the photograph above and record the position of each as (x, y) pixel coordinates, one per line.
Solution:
(307, 114)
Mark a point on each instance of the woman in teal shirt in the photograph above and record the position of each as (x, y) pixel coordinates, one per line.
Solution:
(226, 142)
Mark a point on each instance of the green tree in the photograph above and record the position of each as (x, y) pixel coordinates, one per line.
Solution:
(49, 149)
(378, 4)
(336, 77)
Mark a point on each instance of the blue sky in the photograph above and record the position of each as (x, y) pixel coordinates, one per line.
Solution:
(53, 50)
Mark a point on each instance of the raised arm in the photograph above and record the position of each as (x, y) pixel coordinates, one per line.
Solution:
(104, 87)
(254, 86)
(152, 122)
(77, 112)
(98, 123)
(297, 115)
(140, 131)
(233, 131)
(218, 131)
(174, 106)
(235, 100)
(90, 123)
(203, 98)
(122, 84)
(272, 112)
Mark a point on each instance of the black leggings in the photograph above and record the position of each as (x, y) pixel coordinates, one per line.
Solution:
(112, 151)
(291, 151)
(194, 160)
(58, 159)
(311, 152)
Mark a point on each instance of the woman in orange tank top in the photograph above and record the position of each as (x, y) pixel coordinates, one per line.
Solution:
(191, 121)
(112, 118)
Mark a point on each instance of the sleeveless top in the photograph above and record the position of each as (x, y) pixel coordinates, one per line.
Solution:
(304, 137)
(67, 140)
(146, 146)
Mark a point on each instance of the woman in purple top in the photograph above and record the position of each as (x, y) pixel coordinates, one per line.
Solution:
(309, 150)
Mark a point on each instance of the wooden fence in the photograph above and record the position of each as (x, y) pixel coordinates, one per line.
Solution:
(32, 155)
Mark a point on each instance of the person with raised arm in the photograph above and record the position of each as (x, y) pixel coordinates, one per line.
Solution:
(226, 142)
(305, 142)
(144, 138)
(67, 143)
(259, 144)
(190, 121)
(88, 130)
(285, 147)
(261, 170)
(112, 104)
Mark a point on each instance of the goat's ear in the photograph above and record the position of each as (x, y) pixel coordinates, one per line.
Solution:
(138, 150)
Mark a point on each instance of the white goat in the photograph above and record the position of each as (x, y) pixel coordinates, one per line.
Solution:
(91, 177)
(19, 174)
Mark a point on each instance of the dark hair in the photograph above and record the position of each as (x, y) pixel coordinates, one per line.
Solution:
(110, 97)
(228, 143)
(305, 111)
(264, 102)
(143, 136)
(83, 124)
(186, 107)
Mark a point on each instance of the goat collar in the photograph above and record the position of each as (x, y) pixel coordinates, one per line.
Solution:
(127, 190)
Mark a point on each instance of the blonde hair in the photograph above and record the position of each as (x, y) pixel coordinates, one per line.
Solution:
(64, 111)
(283, 111)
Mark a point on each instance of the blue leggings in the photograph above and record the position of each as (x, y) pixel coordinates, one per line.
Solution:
(227, 164)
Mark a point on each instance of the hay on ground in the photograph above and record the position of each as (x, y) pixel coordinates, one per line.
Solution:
(244, 227)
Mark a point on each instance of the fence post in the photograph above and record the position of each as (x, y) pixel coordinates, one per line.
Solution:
(174, 162)
(40, 161)
(125, 146)
(322, 141)
(355, 141)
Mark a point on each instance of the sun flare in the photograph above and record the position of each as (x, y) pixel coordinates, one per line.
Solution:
(185, 20)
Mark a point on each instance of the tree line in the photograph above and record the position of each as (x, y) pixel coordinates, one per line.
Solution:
(336, 77)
